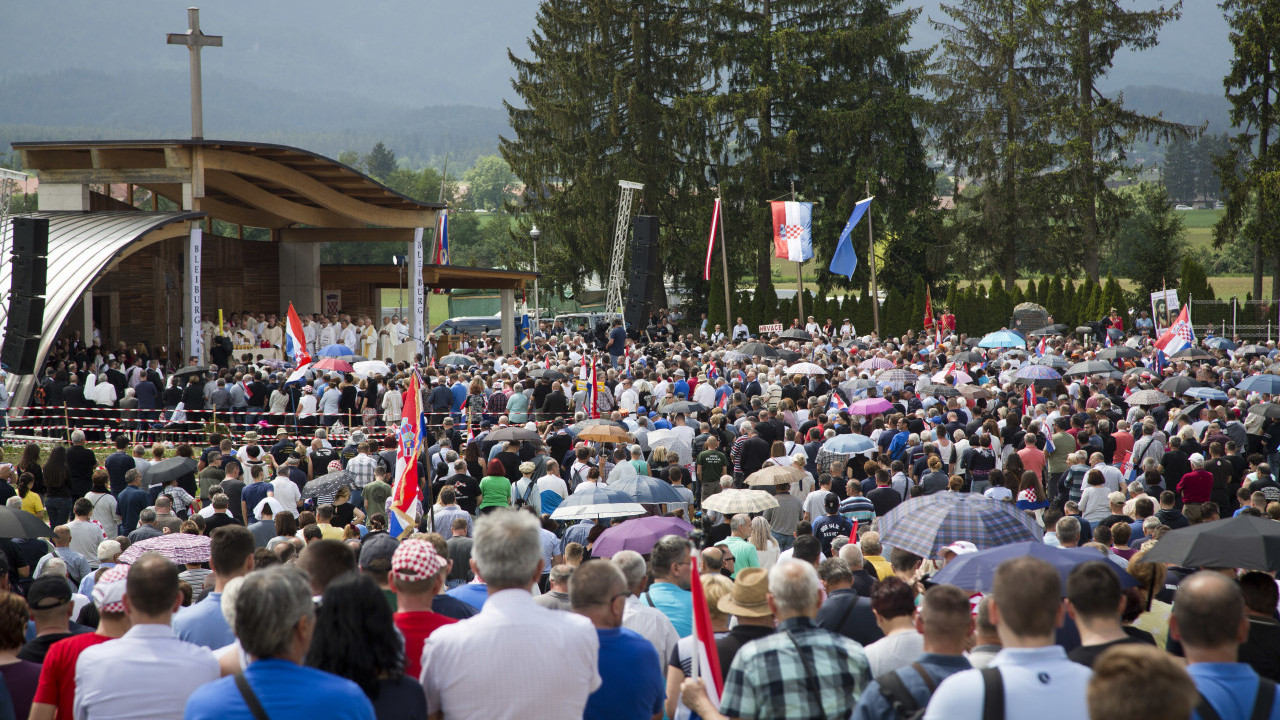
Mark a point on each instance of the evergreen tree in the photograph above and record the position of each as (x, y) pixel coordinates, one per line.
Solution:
(1017, 297)
(1113, 297)
(1031, 294)
(1193, 284)
(715, 305)
(1149, 244)
(1054, 303)
(998, 308)
(380, 161)
(1069, 305)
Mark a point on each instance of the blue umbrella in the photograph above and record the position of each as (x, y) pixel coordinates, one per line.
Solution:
(924, 525)
(1002, 339)
(646, 489)
(1267, 384)
(1205, 393)
(976, 571)
(1037, 372)
(598, 495)
(1219, 343)
(335, 351)
(850, 444)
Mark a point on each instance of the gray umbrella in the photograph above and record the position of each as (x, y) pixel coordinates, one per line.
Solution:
(327, 484)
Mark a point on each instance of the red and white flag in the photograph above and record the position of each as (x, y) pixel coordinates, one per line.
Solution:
(295, 339)
(591, 391)
(711, 241)
(1179, 336)
(706, 660)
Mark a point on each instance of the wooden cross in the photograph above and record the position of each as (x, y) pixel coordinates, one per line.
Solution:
(194, 39)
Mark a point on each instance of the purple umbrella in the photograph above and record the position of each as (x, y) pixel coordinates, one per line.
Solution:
(1038, 372)
(875, 363)
(870, 406)
(640, 535)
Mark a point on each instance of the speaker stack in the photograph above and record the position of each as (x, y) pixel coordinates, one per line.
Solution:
(644, 259)
(25, 321)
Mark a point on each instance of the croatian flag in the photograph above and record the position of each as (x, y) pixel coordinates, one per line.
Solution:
(706, 661)
(1028, 400)
(1179, 336)
(295, 339)
(724, 400)
(712, 372)
(1158, 362)
(1107, 342)
(442, 239)
(837, 403)
(1049, 447)
(793, 230)
(1042, 346)
(711, 242)
(405, 505)
(591, 391)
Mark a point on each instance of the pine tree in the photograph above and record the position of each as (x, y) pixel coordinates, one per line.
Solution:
(998, 308)
(1068, 310)
(1055, 303)
(1017, 297)
(1031, 294)
(715, 304)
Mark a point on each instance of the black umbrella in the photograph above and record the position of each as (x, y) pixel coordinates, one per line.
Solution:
(459, 360)
(1048, 331)
(1244, 541)
(512, 433)
(1252, 350)
(1179, 384)
(1193, 410)
(969, 356)
(794, 334)
(684, 406)
(1090, 367)
(191, 370)
(175, 468)
(1116, 352)
(788, 355)
(1270, 411)
(15, 523)
(1192, 353)
(327, 484)
(758, 348)
(542, 373)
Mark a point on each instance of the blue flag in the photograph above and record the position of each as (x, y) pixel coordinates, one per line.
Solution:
(845, 259)
(526, 334)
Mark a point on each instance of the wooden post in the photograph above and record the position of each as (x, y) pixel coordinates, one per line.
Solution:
(875, 294)
(724, 266)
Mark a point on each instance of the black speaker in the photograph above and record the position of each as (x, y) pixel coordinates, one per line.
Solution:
(644, 260)
(19, 354)
(26, 315)
(30, 236)
(30, 274)
(636, 314)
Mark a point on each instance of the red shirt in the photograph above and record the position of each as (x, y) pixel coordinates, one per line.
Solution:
(1032, 459)
(1124, 443)
(1196, 486)
(416, 628)
(58, 678)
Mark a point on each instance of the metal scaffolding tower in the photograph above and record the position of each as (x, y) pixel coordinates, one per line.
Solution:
(626, 195)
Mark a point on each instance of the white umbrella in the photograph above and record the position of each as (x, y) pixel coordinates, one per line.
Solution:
(806, 368)
(732, 501)
(602, 510)
(673, 442)
(960, 376)
(370, 367)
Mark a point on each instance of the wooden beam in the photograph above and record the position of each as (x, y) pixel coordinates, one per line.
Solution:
(237, 187)
(56, 159)
(317, 191)
(177, 157)
(242, 216)
(312, 235)
(137, 176)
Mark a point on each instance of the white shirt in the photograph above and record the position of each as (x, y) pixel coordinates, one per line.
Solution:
(461, 680)
(1039, 684)
(894, 651)
(653, 625)
(740, 331)
(705, 394)
(285, 491)
(327, 336)
(145, 651)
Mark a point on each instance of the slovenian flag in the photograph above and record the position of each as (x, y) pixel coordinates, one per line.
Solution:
(705, 659)
(295, 339)
(793, 230)
(405, 504)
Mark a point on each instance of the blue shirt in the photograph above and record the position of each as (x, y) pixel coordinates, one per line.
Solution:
(680, 388)
(130, 504)
(1229, 687)
(619, 338)
(253, 494)
(473, 594)
(875, 706)
(631, 686)
(674, 602)
(897, 444)
(459, 396)
(204, 624)
(117, 464)
(287, 692)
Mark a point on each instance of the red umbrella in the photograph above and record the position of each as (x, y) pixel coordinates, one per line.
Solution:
(332, 364)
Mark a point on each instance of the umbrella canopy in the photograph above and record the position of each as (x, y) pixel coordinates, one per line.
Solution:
(1243, 541)
(191, 370)
(969, 356)
(604, 433)
(1090, 367)
(734, 501)
(337, 350)
(806, 368)
(1054, 361)
(179, 548)
(875, 363)
(924, 525)
(1266, 384)
(511, 432)
(1179, 384)
(175, 468)
(774, 475)
(684, 406)
(975, 392)
(871, 406)
(849, 444)
(332, 364)
(552, 375)
(1205, 393)
(647, 489)
(788, 355)
(597, 502)
(939, 391)
(1270, 411)
(327, 484)
(1219, 343)
(959, 376)
(1048, 331)
(1192, 353)
(898, 375)
(758, 348)
(16, 523)
(1115, 352)
(458, 360)
(1251, 349)
(673, 442)
(370, 367)
(640, 534)
(976, 572)
(353, 359)
(1149, 397)
(1031, 371)
(794, 334)
(1002, 339)
(577, 428)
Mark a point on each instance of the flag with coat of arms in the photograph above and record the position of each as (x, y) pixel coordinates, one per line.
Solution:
(1179, 336)
(404, 507)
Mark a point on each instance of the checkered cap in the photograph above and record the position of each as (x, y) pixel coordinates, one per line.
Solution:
(415, 560)
(335, 466)
(108, 591)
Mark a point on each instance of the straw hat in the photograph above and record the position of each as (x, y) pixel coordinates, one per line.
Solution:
(748, 596)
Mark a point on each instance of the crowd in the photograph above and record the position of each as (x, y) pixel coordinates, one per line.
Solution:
(303, 604)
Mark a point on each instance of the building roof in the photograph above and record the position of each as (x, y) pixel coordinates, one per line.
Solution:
(245, 183)
(445, 277)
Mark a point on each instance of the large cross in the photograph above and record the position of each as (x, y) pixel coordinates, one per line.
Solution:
(195, 40)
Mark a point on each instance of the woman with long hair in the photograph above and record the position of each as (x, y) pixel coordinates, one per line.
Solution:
(472, 455)
(355, 638)
(30, 498)
(30, 463)
(761, 538)
(57, 488)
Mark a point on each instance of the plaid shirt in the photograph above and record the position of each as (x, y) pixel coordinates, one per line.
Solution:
(768, 678)
(361, 468)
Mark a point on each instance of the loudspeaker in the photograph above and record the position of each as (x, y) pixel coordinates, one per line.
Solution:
(19, 354)
(26, 315)
(636, 314)
(30, 236)
(30, 274)
(644, 260)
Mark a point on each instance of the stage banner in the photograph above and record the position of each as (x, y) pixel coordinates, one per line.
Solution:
(196, 337)
(419, 293)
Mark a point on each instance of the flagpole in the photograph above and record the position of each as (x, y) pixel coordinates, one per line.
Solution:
(724, 262)
(875, 294)
(799, 270)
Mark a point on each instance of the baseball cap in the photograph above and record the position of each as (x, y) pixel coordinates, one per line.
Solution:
(377, 546)
(960, 547)
(415, 560)
(108, 591)
(831, 503)
(1116, 498)
(1196, 458)
(48, 592)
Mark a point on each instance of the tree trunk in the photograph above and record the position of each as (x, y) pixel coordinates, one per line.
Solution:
(1087, 199)
(1264, 214)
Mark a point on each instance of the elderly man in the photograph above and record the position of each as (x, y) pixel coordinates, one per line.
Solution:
(800, 671)
(275, 619)
(457, 660)
(744, 552)
(149, 649)
(648, 621)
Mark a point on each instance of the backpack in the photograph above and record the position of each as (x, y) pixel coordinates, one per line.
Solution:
(1263, 703)
(900, 698)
